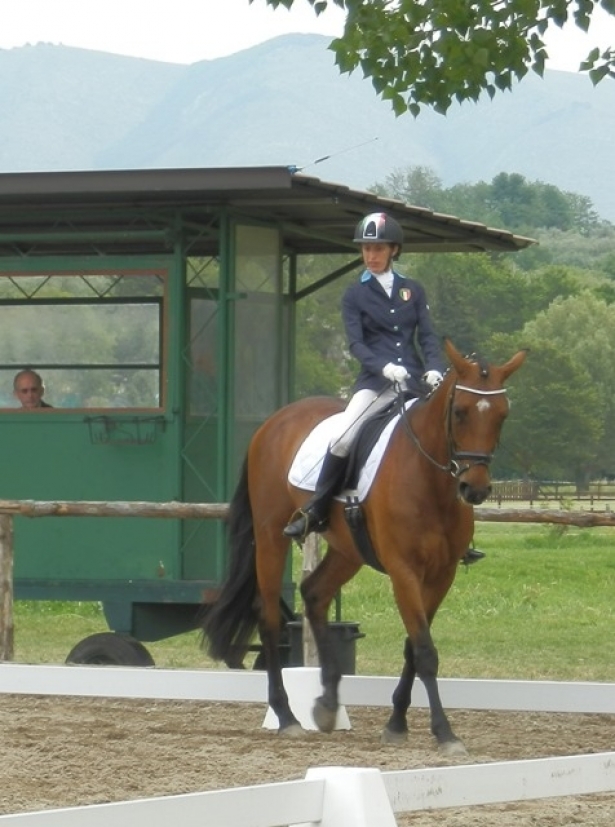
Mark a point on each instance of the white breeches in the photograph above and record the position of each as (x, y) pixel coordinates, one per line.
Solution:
(363, 404)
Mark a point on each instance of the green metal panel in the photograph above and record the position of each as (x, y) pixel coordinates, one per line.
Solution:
(224, 369)
(51, 456)
(90, 455)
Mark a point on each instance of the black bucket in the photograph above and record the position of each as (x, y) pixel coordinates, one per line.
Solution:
(344, 636)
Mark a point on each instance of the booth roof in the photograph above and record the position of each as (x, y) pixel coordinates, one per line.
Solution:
(316, 216)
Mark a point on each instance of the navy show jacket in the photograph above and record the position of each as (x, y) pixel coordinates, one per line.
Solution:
(380, 329)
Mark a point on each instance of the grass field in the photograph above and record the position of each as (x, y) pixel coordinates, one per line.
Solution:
(541, 606)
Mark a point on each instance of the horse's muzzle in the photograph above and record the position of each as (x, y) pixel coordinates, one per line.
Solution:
(474, 494)
(472, 471)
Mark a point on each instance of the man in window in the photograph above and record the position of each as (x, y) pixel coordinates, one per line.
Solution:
(29, 390)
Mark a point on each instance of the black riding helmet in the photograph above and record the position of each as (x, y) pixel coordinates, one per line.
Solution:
(378, 227)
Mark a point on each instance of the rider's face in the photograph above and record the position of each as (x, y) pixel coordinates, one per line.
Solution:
(377, 256)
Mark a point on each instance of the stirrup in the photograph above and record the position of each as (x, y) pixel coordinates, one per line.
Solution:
(304, 523)
(472, 555)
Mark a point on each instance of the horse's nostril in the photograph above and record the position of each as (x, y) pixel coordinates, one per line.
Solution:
(472, 495)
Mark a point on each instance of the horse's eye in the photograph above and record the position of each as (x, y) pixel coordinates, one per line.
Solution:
(460, 414)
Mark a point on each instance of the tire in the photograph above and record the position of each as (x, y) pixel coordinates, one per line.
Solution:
(110, 649)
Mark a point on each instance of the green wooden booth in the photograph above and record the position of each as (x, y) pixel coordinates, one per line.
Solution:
(158, 306)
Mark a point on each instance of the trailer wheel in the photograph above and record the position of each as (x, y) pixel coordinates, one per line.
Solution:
(111, 649)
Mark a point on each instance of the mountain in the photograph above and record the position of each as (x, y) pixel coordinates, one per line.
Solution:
(284, 102)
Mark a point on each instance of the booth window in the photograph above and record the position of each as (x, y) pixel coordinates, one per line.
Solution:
(95, 347)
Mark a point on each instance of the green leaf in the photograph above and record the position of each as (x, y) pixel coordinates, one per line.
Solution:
(596, 75)
(481, 57)
(432, 53)
(379, 84)
(399, 105)
(542, 25)
(441, 107)
(539, 64)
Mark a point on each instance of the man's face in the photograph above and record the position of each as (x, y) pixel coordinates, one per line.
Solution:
(29, 391)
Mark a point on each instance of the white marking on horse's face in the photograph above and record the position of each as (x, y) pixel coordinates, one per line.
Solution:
(483, 405)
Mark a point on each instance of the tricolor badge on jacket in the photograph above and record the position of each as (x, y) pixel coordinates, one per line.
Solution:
(405, 294)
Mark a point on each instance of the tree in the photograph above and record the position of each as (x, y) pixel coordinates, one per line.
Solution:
(472, 296)
(323, 364)
(418, 185)
(548, 434)
(508, 201)
(573, 345)
(430, 54)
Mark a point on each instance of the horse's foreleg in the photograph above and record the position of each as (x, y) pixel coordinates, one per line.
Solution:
(396, 730)
(426, 660)
(417, 607)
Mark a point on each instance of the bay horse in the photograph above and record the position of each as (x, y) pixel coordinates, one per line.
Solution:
(419, 515)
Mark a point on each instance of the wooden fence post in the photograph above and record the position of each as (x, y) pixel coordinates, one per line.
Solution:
(311, 558)
(6, 588)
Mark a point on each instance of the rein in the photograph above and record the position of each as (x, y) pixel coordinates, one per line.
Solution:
(470, 458)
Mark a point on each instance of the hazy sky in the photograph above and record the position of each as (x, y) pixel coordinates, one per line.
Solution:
(179, 31)
(186, 31)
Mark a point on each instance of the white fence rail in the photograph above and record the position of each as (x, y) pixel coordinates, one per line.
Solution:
(328, 796)
(244, 686)
(346, 796)
(267, 805)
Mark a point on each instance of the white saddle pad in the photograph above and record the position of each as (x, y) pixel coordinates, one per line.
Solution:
(307, 463)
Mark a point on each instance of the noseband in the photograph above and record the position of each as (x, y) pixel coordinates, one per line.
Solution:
(460, 461)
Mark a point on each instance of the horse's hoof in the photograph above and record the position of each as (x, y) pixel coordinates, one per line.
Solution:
(388, 736)
(453, 749)
(291, 731)
(324, 718)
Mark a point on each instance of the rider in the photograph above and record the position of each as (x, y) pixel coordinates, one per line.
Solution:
(385, 314)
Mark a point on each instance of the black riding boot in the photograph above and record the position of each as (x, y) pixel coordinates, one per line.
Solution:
(472, 555)
(314, 515)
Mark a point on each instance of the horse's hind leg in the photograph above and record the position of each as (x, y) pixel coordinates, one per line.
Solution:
(318, 591)
(270, 560)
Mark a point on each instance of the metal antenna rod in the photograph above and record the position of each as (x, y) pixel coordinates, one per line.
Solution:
(294, 169)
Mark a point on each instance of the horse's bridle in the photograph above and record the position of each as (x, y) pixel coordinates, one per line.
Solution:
(468, 458)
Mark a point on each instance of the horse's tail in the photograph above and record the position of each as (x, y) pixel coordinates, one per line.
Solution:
(229, 624)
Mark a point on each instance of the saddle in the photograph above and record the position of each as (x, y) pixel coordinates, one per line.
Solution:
(365, 442)
(363, 462)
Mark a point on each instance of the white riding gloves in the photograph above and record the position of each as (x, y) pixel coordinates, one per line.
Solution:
(433, 378)
(394, 373)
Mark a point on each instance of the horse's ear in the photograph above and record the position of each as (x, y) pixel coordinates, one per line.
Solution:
(513, 364)
(458, 361)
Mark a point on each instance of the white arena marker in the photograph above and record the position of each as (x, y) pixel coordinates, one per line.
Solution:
(353, 797)
(302, 684)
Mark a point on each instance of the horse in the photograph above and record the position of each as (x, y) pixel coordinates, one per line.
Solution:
(419, 516)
